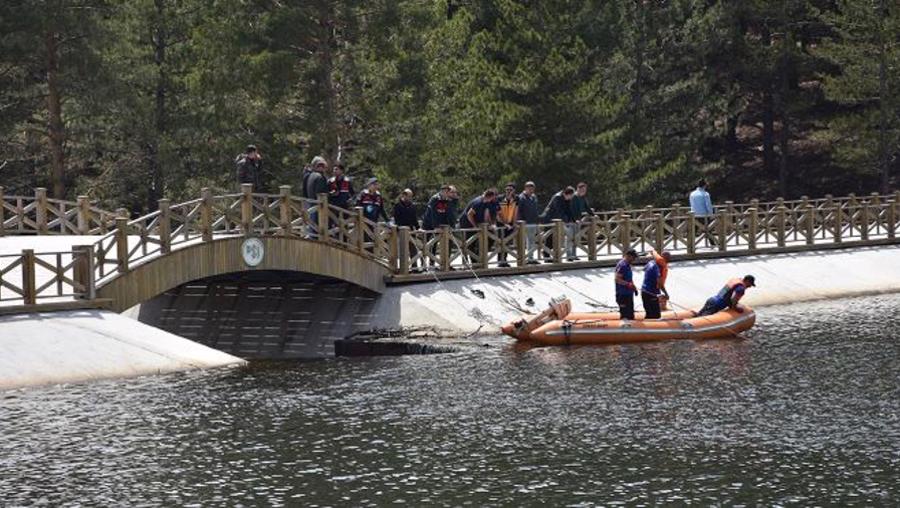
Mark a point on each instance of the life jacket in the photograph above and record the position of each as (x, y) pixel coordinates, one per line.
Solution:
(728, 289)
(336, 187)
(371, 203)
(508, 210)
(663, 268)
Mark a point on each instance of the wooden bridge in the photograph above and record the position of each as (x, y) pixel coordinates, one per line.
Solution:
(115, 261)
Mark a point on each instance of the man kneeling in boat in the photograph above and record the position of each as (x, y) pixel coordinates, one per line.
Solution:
(654, 285)
(728, 296)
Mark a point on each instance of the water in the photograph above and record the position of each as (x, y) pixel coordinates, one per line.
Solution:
(807, 411)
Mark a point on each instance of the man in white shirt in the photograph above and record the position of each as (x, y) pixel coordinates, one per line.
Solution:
(701, 205)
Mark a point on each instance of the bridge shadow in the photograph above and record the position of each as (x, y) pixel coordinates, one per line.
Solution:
(263, 314)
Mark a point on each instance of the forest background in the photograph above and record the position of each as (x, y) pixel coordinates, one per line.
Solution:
(130, 101)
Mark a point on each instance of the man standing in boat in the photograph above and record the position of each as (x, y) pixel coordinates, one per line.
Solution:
(625, 289)
(728, 296)
(654, 285)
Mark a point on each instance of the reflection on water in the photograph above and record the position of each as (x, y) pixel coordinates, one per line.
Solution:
(807, 410)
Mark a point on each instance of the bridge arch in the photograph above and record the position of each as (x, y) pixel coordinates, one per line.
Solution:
(223, 255)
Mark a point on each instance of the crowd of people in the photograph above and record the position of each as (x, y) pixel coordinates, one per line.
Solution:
(499, 210)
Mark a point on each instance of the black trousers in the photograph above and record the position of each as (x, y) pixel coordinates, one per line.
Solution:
(711, 307)
(626, 306)
(651, 306)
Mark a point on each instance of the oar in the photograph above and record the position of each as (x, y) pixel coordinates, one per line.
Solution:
(736, 334)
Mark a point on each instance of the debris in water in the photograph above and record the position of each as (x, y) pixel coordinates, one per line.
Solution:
(529, 302)
(479, 293)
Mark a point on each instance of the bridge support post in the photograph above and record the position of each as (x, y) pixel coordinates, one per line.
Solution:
(322, 207)
(284, 210)
(660, 239)
(165, 226)
(206, 198)
(444, 248)
(2, 212)
(521, 243)
(483, 252)
(691, 233)
(29, 288)
(360, 229)
(891, 218)
(838, 218)
(246, 208)
(122, 244)
(83, 271)
(394, 248)
(810, 223)
(864, 220)
(592, 238)
(40, 210)
(403, 250)
(752, 228)
(84, 215)
(722, 229)
(780, 224)
(559, 240)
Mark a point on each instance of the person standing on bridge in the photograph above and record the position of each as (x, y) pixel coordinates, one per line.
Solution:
(529, 213)
(625, 288)
(507, 216)
(559, 207)
(371, 202)
(249, 167)
(580, 209)
(729, 296)
(481, 210)
(702, 208)
(314, 183)
(340, 189)
(655, 272)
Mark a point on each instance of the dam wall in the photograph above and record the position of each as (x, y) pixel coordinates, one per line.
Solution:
(276, 315)
(780, 278)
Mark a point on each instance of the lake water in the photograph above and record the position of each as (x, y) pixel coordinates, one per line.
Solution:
(805, 411)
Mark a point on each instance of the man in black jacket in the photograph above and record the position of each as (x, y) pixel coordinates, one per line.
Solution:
(249, 167)
(559, 207)
(529, 212)
(405, 215)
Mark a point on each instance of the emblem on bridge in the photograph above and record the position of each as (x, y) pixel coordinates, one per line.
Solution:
(253, 250)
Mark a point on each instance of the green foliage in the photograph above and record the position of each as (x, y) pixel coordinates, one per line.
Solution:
(637, 98)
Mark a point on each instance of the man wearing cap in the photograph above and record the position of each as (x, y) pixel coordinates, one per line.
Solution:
(249, 167)
(729, 296)
(481, 210)
(371, 202)
(507, 216)
(625, 289)
(529, 213)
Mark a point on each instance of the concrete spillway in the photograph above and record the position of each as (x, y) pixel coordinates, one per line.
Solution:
(780, 278)
(73, 346)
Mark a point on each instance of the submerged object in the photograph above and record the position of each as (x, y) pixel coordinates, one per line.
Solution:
(558, 325)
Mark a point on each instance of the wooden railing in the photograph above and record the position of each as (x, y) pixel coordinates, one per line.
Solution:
(40, 215)
(27, 278)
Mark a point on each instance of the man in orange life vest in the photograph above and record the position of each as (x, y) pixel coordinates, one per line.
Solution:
(340, 190)
(728, 296)
(655, 273)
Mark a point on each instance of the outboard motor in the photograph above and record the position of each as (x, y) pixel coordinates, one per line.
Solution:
(559, 308)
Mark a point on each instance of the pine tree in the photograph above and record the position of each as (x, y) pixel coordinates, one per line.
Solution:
(867, 48)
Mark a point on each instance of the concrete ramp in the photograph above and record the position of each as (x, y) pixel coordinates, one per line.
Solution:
(74, 346)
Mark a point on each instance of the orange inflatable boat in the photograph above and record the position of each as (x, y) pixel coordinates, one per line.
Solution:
(558, 325)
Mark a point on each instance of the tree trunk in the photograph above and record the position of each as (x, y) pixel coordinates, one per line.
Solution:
(160, 42)
(883, 148)
(326, 53)
(768, 133)
(56, 133)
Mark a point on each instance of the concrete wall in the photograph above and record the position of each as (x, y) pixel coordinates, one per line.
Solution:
(780, 278)
(74, 346)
